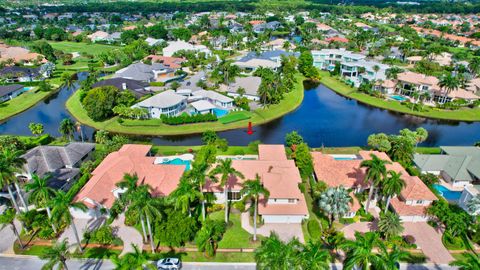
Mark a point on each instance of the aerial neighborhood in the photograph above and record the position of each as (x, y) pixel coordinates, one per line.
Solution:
(239, 134)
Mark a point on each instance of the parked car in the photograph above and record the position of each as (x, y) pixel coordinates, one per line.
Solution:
(169, 263)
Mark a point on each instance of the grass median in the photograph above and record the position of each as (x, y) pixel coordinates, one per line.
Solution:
(341, 88)
(155, 127)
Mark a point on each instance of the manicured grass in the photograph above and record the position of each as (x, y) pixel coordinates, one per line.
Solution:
(193, 256)
(155, 127)
(21, 103)
(235, 236)
(174, 150)
(428, 150)
(339, 150)
(80, 47)
(234, 117)
(347, 91)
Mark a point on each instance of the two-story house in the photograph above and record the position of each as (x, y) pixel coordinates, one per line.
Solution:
(327, 59)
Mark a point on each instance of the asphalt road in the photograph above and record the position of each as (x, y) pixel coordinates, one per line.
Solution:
(34, 263)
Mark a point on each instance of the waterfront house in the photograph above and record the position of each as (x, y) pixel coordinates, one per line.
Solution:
(346, 171)
(357, 72)
(468, 193)
(156, 72)
(280, 176)
(213, 97)
(249, 84)
(458, 165)
(326, 59)
(166, 103)
(62, 163)
(101, 191)
(20, 74)
(138, 88)
(7, 92)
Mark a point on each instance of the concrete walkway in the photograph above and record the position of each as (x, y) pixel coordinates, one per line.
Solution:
(8, 238)
(286, 232)
(426, 238)
(129, 235)
(69, 234)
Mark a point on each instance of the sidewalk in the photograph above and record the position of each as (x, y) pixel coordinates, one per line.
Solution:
(286, 232)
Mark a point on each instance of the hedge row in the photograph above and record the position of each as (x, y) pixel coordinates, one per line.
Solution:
(188, 119)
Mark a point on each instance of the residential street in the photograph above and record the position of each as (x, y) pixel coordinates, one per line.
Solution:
(34, 263)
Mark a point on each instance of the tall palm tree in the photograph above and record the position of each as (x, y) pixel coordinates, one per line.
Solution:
(67, 80)
(61, 205)
(391, 260)
(253, 189)
(449, 84)
(198, 176)
(469, 262)
(136, 260)
(392, 185)
(41, 194)
(67, 128)
(474, 66)
(376, 172)
(314, 256)
(10, 164)
(148, 208)
(226, 171)
(8, 218)
(57, 256)
(129, 183)
(390, 225)
(185, 195)
(275, 254)
(360, 253)
(335, 202)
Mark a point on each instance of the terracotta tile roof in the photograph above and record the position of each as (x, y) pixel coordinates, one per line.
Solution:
(256, 22)
(417, 78)
(130, 159)
(271, 152)
(334, 173)
(403, 209)
(172, 62)
(18, 54)
(336, 39)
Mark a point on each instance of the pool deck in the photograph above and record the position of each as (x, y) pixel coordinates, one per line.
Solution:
(450, 186)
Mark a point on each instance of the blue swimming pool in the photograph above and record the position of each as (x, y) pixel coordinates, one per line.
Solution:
(448, 194)
(399, 98)
(344, 158)
(178, 161)
(220, 112)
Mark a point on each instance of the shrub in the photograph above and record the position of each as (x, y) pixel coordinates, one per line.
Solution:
(157, 84)
(103, 235)
(188, 119)
(46, 233)
(215, 207)
(314, 229)
(240, 206)
(347, 221)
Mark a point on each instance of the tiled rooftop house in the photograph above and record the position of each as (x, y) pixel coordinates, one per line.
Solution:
(286, 203)
(335, 171)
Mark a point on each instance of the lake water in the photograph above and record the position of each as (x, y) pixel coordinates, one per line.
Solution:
(324, 118)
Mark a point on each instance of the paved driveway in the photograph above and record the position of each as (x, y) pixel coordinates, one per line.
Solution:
(191, 81)
(429, 240)
(8, 238)
(286, 232)
(129, 235)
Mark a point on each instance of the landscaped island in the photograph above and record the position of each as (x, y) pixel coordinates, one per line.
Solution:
(155, 127)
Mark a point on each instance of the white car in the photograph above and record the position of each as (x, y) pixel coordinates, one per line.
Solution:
(169, 263)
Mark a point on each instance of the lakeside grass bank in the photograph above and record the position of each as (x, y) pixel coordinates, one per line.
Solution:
(155, 127)
(23, 102)
(468, 115)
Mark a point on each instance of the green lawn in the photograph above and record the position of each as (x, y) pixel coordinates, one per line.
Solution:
(235, 236)
(345, 90)
(94, 48)
(155, 127)
(234, 117)
(21, 103)
(167, 150)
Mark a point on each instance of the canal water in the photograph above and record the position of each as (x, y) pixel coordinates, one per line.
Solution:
(323, 119)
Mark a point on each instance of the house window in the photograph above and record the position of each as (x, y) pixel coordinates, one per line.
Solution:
(419, 202)
(234, 196)
(292, 200)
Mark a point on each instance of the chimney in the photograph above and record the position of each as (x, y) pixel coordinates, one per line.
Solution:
(124, 86)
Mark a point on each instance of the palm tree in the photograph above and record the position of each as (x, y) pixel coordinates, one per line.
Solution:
(226, 171)
(136, 260)
(253, 189)
(359, 253)
(314, 256)
(449, 84)
(391, 260)
(41, 194)
(376, 172)
(335, 202)
(469, 262)
(473, 205)
(474, 66)
(185, 195)
(376, 68)
(57, 255)
(390, 225)
(67, 80)
(209, 235)
(61, 205)
(129, 183)
(275, 254)
(10, 164)
(198, 176)
(392, 185)
(148, 208)
(8, 218)
(67, 128)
